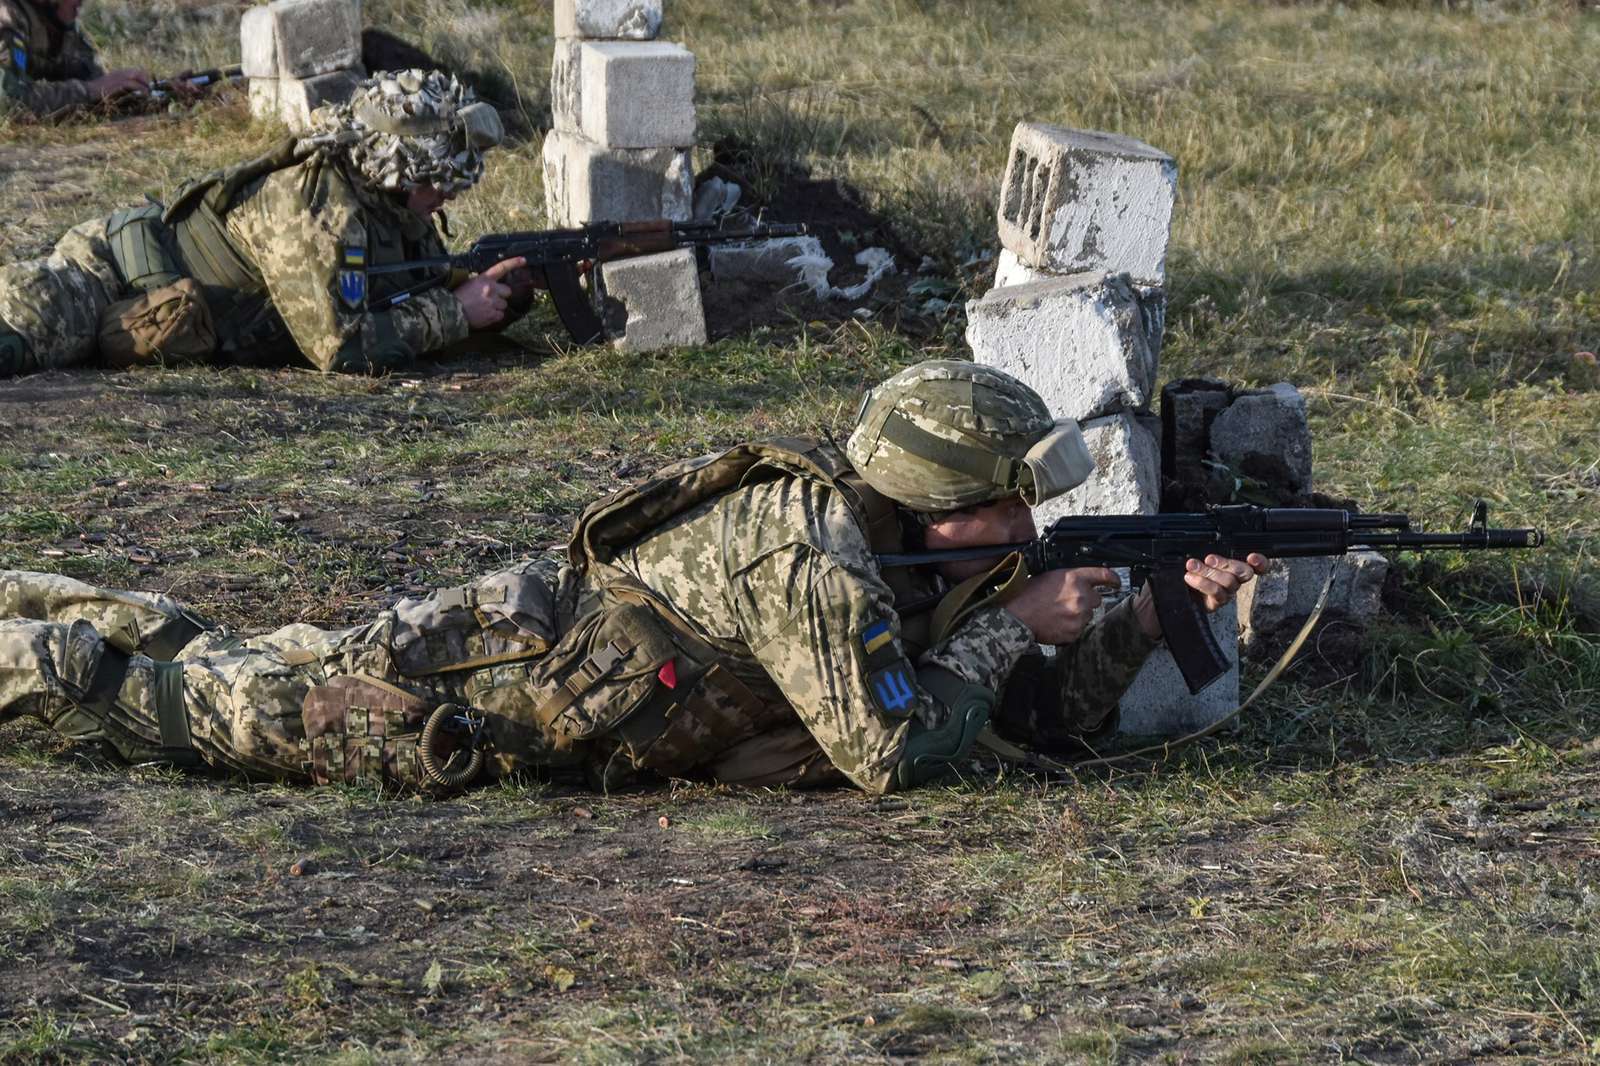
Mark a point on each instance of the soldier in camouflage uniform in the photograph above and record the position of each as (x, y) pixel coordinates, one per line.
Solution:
(266, 261)
(726, 619)
(47, 68)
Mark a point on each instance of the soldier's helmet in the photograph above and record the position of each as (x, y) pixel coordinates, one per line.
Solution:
(946, 434)
(405, 128)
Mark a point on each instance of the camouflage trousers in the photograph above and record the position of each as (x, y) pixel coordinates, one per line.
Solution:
(54, 304)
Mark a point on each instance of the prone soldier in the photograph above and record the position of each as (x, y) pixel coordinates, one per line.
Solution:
(47, 66)
(265, 261)
(726, 619)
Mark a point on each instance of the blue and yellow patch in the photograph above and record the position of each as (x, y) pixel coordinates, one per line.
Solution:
(353, 276)
(891, 681)
(14, 54)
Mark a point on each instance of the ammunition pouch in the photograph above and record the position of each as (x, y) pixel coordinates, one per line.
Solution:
(503, 618)
(142, 248)
(166, 325)
(930, 753)
(360, 729)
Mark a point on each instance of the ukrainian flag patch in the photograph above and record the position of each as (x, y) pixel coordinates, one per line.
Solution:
(891, 682)
(876, 635)
(353, 276)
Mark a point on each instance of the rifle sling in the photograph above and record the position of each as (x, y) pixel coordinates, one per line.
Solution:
(992, 588)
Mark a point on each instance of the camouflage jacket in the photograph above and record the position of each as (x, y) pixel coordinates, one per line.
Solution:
(781, 574)
(297, 226)
(43, 65)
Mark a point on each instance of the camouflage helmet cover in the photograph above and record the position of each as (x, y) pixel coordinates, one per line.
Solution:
(406, 128)
(946, 434)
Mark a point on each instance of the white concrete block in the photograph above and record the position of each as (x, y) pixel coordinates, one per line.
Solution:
(1158, 703)
(1079, 340)
(584, 182)
(258, 43)
(636, 20)
(762, 262)
(1284, 596)
(637, 94)
(298, 97)
(316, 36)
(566, 87)
(1009, 270)
(659, 297)
(264, 100)
(1127, 472)
(1264, 435)
(1078, 200)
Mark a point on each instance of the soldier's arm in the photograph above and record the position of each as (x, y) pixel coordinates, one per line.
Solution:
(300, 252)
(78, 58)
(20, 93)
(821, 620)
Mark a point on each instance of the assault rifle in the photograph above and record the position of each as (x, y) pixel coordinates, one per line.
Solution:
(1157, 546)
(559, 254)
(162, 88)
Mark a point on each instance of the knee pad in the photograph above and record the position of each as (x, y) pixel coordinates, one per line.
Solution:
(930, 753)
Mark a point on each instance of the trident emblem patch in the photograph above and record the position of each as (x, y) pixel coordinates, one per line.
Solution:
(353, 276)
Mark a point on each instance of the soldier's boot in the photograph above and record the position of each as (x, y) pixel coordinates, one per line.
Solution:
(85, 689)
(136, 623)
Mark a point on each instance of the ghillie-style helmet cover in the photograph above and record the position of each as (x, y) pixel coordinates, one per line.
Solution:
(405, 128)
(947, 434)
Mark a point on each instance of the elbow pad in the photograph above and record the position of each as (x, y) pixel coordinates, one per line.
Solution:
(929, 753)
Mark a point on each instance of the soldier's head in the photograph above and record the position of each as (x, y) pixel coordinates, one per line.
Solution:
(968, 449)
(419, 135)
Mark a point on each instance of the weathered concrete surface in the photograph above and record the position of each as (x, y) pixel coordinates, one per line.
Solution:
(1272, 605)
(298, 97)
(1009, 270)
(316, 36)
(1127, 471)
(1188, 407)
(1080, 200)
(762, 262)
(264, 99)
(659, 298)
(637, 94)
(1080, 341)
(566, 86)
(1264, 435)
(636, 20)
(1158, 703)
(584, 182)
(258, 43)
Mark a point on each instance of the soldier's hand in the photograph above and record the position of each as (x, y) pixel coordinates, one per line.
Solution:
(126, 80)
(484, 298)
(1217, 579)
(1057, 604)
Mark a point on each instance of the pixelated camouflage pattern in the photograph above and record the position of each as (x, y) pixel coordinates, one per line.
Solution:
(60, 63)
(960, 402)
(55, 303)
(135, 622)
(293, 225)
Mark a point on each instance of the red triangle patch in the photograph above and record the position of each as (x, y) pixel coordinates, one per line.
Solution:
(668, 675)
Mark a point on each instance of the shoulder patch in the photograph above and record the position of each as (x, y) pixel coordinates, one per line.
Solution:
(353, 276)
(891, 681)
(13, 52)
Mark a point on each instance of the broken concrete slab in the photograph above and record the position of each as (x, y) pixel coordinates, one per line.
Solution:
(1009, 270)
(653, 301)
(637, 94)
(584, 182)
(636, 20)
(1127, 472)
(316, 36)
(566, 87)
(762, 262)
(264, 99)
(1081, 200)
(298, 97)
(258, 44)
(1275, 604)
(1188, 407)
(1263, 435)
(1080, 341)
(1159, 703)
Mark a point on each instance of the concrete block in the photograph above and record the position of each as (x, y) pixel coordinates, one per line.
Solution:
(635, 20)
(1158, 703)
(1009, 270)
(258, 43)
(762, 262)
(1274, 605)
(316, 36)
(1263, 435)
(264, 100)
(655, 299)
(584, 182)
(1127, 472)
(1188, 407)
(1077, 200)
(637, 94)
(566, 87)
(298, 97)
(1079, 340)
